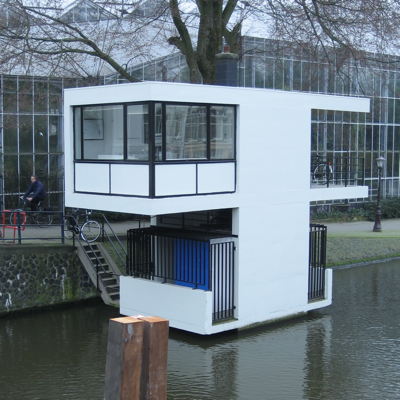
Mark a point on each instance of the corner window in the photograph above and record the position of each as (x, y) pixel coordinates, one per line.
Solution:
(155, 132)
(186, 132)
(222, 140)
(103, 134)
(137, 125)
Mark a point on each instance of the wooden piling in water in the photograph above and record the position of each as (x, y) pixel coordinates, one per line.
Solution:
(136, 367)
(124, 359)
(153, 382)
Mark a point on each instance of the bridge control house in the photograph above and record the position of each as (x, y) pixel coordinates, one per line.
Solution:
(224, 173)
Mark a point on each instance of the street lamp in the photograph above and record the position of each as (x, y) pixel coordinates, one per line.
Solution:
(377, 226)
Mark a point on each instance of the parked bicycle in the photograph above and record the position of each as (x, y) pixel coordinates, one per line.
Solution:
(42, 217)
(321, 170)
(89, 230)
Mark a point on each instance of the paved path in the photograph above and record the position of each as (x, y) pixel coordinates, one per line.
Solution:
(390, 228)
(53, 233)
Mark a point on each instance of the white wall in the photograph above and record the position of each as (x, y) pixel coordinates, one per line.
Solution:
(271, 202)
(184, 307)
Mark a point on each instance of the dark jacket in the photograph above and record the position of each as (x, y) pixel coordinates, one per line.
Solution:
(38, 190)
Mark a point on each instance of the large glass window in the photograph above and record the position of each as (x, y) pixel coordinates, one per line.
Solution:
(222, 132)
(153, 131)
(138, 132)
(186, 132)
(78, 132)
(103, 137)
(158, 128)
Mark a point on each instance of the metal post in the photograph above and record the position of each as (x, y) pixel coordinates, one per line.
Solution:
(327, 173)
(377, 225)
(19, 228)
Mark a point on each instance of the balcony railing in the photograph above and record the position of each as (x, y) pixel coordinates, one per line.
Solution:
(185, 258)
(317, 262)
(340, 170)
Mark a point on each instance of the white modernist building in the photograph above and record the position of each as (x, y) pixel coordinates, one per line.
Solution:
(224, 173)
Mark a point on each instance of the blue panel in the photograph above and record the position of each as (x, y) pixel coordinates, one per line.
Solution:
(192, 263)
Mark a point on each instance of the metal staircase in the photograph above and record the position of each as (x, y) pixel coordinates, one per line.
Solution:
(102, 271)
(100, 266)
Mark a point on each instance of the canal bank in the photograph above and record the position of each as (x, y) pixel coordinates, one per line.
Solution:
(42, 272)
(354, 243)
(41, 275)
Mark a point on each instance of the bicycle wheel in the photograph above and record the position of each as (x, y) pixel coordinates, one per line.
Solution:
(43, 219)
(320, 174)
(90, 231)
(14, 214)
(67, 230)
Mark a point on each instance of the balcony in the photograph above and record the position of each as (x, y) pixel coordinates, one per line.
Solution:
(340, 171)
(190, 259)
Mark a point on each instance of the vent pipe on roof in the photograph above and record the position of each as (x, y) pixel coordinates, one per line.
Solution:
(227, 73)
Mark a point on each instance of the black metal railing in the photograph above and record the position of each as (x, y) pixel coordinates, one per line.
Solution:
(342, 170)
(222, 254)
(184, 258)
(317, 262)
(18, 226)
(348, 170)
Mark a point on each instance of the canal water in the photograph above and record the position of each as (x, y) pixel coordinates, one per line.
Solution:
(350, 350)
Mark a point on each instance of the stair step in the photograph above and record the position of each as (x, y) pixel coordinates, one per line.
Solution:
(113, 286)
(105, 277)
(107, 274)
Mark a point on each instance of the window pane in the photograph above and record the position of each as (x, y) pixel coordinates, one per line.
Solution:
(40, 98)
(103, 133)
(25, 134)
(222, 132)
(158, 132)
(138, 132)
(10, 95)
(186, 135)
(40, 133)
(41, 166)
(11, 175)
(10, 133)
(55, 137)
(78, 133)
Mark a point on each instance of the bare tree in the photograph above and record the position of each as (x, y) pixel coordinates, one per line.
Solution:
(337, 30)
(212, 26)
(361, 29)
(43, 36)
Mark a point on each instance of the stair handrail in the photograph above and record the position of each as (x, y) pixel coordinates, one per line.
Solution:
(111, 242)
(91, 262)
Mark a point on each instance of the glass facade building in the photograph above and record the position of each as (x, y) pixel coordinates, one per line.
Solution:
(31, 136)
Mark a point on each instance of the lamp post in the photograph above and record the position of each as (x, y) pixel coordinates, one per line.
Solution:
(377, 226)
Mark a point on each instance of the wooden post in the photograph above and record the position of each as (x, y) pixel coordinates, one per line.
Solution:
(153, 382)
(137, 353)
(124, 359)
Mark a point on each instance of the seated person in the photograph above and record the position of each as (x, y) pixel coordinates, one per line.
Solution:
(38, 193)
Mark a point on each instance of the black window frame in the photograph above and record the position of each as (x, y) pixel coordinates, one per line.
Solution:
(151, 137)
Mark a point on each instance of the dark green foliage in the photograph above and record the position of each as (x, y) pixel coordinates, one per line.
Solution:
(339, 215)
(390, 208)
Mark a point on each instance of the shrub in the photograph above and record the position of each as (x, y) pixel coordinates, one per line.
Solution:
(390, 208)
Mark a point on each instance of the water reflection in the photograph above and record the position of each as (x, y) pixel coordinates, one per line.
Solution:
(347, 351)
